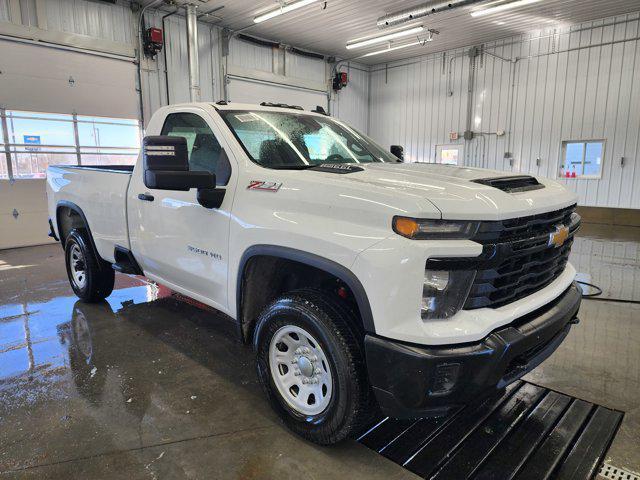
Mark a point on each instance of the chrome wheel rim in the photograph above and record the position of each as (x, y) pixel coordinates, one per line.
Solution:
(77, 266)
(300, 370)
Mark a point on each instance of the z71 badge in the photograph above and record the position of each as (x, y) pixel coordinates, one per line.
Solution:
(265, 186)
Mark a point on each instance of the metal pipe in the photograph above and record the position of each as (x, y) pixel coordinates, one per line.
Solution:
(164, 53)
(139, 54)
(192, 53)
(428, 8)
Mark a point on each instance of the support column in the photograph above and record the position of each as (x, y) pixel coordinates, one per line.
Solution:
(192, 51)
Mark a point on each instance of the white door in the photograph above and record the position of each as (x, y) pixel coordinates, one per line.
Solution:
(452, 154)
(178, 242)
(244, 90)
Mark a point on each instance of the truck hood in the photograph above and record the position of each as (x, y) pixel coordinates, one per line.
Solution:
(454, 193)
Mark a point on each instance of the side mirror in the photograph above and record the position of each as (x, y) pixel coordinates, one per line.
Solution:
(397, 151)
(166, 165)
(210, 197)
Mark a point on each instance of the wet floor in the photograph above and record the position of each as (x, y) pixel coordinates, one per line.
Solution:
(148, 386)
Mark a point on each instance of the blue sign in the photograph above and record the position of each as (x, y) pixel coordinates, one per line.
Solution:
(31, 140)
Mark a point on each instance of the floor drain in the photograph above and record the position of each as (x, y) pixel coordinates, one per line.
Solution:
(616, 473)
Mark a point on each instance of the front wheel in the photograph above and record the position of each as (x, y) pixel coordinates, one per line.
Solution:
(311, 365)
(91, 278)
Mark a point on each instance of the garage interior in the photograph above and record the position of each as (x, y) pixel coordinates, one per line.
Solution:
(151, 384)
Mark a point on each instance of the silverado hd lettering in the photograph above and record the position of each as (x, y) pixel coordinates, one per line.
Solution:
(358, 279)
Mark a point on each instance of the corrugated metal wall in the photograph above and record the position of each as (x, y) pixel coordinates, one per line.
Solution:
(250, 55)
(95, 19)
(4, 10)
(153, 73)
(582, 82)
(351, 104)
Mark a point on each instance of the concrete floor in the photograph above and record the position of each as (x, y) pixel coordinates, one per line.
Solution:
(148, 386)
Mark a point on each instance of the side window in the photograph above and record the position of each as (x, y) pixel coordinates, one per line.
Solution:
(202, 145)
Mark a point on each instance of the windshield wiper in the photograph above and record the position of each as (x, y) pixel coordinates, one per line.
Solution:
(291, 167)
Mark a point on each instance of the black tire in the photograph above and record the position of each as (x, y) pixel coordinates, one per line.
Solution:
(333, 325)
(99, 276)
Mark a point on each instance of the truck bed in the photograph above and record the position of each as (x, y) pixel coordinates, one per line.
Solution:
(100, 192)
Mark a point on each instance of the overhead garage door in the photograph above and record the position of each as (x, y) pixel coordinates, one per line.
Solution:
(42, 79)
(45, 80)
(253, 91)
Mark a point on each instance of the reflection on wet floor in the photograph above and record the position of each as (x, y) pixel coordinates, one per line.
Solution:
(614, 266)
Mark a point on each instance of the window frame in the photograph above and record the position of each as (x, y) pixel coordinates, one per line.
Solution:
(584, 142)
(215, 128)
(10, 151)
(450, 146)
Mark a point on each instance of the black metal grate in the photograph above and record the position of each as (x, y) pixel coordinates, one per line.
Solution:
(519, 258)
(526, 432)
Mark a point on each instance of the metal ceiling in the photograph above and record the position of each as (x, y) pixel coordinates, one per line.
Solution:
(325, 27)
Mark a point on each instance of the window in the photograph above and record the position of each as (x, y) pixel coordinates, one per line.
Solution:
(449, 154)
(34, 141)
(296, 140)
(202, 145)
(582, 159)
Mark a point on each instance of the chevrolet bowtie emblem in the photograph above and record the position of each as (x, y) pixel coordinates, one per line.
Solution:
(559, 236)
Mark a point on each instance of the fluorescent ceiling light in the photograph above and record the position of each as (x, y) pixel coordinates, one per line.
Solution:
(502, 7)
(391, 49)
(282, 10)
(384, 38)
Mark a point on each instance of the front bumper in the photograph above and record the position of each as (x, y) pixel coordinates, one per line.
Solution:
(413, 381)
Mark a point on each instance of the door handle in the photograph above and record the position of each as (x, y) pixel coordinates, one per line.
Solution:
(146, 197)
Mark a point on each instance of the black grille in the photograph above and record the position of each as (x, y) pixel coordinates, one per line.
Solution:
(513, 184)
(517, 259)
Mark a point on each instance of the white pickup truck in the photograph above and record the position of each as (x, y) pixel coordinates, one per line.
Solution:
(360, 281)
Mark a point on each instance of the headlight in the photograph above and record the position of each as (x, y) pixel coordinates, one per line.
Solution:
(444, 292)
(419, 229)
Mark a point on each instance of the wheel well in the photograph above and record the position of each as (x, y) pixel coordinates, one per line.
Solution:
(68, 219)
(266, 277)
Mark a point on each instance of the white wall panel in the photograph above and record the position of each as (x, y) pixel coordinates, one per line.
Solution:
(581, 82)
(299, 66)
(153, 78)
(248, 91)
(410, 104)
(95, 19)
(351, 104)
(4, 10)
(249, 55)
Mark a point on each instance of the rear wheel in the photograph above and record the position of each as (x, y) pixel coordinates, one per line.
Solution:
(91, 278)
(311, 365)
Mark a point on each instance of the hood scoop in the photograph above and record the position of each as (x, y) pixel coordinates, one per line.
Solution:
(514, 184)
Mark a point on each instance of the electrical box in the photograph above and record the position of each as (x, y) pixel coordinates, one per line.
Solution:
(153, 41)
(340, 81)
(453, 136)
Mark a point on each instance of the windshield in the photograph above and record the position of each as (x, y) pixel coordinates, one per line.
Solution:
(296, 140)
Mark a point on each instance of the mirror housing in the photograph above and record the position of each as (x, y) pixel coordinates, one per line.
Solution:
(397, 151)
(166, 165)
(210, 197)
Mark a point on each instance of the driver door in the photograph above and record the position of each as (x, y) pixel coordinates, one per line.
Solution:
(178, 242)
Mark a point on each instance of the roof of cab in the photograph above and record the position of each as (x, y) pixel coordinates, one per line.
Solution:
(241, 106)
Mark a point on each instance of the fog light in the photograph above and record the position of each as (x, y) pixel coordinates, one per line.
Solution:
(436, 279)
(444, 292)
(444, 379)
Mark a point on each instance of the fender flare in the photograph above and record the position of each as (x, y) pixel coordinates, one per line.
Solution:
(316, 261)
(75, 208)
